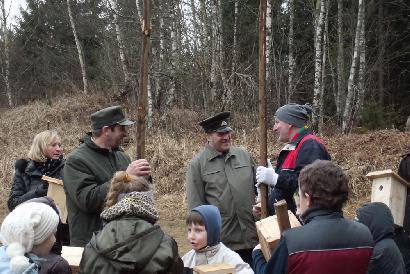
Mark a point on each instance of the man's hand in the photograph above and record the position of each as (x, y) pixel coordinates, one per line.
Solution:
(256, 209)
(266, 175)
(139, 167)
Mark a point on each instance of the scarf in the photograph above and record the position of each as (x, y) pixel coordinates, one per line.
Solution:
(135, 204)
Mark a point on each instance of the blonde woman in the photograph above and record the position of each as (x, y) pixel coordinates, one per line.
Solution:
(44, 158)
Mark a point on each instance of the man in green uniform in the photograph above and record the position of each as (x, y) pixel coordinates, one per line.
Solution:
(89, 169)
(224, 176)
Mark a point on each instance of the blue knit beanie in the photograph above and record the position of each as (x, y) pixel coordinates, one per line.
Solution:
(212, 221)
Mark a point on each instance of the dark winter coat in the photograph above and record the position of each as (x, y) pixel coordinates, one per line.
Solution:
(402, 234)
(87, 175)
(386, 258)
(131, 245)
(27, 182)
(326, 244)
(303, 149)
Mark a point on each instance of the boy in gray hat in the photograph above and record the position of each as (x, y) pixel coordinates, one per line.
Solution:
(89, 169)
(302, 148)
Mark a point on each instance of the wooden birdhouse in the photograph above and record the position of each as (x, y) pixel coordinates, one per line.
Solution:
(72, 255)
(389, 188)
(214, 269)
(270, 229)
(56, 192)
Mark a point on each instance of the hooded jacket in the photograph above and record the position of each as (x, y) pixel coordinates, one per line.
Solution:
(130, 242)
(386, 257)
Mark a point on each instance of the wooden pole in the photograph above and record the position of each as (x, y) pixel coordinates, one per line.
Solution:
(262, 102)
(281, 210)
(143, 81)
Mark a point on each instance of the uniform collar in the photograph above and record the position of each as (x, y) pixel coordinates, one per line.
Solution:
(212, 153)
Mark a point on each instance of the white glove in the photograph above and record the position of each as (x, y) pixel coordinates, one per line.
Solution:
(266, 175)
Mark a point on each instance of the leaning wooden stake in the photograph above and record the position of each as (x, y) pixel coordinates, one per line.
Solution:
(143, 81)
(262, 103)
(281, 210)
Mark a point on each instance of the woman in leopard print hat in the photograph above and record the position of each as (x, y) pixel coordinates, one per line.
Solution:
(130, 241)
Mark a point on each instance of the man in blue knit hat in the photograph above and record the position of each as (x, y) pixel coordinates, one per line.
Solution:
(302, 148)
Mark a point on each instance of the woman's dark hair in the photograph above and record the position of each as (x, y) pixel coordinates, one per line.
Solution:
(326, 184)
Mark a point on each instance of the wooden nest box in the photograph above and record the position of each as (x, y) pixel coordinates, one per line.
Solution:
(270, 229)
(56, 192)
(214, 269)
(389, 188)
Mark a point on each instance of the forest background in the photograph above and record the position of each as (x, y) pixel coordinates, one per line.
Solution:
(349, 59)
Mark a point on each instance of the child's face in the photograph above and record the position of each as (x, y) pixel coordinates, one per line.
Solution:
(197, 236)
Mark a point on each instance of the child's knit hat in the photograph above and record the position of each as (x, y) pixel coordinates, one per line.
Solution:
(212, 221)
(27, 225)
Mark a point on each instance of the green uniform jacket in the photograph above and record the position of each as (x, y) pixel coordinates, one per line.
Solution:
(226, 181)
(87, 174)
(131, 245)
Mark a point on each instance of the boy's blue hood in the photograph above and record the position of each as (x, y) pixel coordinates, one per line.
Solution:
(212, 221)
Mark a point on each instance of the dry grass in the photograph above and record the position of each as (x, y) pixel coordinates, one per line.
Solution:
(173, 142)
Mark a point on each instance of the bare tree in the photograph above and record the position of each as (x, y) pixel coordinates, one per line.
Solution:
(362, 69)
(318, 60)
(348, 110)
(5, 68)
(325, 46)
(268, 51)
(79, 49)
(291, 60)
(121, 49)
(340, 61)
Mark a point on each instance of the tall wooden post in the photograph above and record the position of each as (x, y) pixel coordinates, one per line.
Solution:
(262, 102)
(143, 81)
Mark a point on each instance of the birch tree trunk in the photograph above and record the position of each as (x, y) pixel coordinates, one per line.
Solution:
(214, 51)
(380, 53)
(318, 62)
(362, 69)
(322, 86)
(171, 91)
(121, 48)
(79, 49)
(268, 51)
(6, 66)
(291, 61)
(235, 43)
(347, 114)
(139, 13)
(340, 62)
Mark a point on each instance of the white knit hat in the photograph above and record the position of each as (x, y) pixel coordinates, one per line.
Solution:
(27, 225)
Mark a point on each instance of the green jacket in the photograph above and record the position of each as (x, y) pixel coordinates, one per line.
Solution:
(226, 181)
(131, 245)
(87, 174)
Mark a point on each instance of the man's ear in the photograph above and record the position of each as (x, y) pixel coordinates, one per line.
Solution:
(105, 129)
(308, 199)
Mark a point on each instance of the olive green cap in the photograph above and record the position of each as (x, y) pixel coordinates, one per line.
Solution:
(108, 117)
(216, 123)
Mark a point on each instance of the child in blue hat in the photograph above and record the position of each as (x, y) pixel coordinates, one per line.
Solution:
(204, 233)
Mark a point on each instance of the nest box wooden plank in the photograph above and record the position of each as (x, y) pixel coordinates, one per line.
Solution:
(389, 188)
(214, 269)
(269, 232)
(73, 256)
(56, 192)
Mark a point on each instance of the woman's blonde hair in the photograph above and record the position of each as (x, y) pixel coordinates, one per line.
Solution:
(122, 182)
(40, 143)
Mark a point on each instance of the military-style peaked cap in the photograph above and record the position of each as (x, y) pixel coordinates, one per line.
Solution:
(216, 123)
(109, 116)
